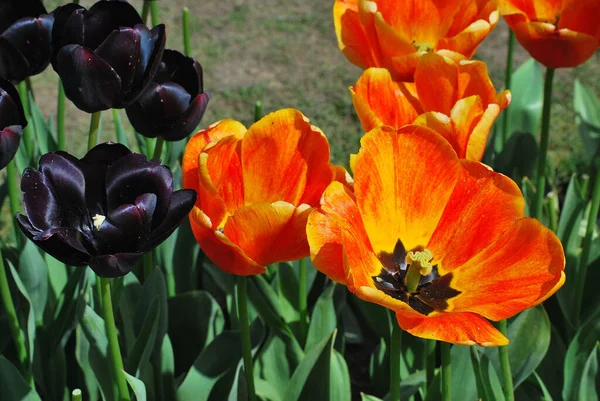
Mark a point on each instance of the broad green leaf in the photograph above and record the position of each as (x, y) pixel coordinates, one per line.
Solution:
(153, 286)
(588, 390)
(185, 256)
(26, 315)
(287, 286)
(239, 390)
(138, 387)
(43, 134)
(367, 397)
(57, 275)
(167, 369)
(120, 133)
(265, 390)
(266, 302)
(488, 385)
(587, 107)
(323, 321)
(374, 319)
(82, 351)
(339, 378)
(555, 357)
(66, 306)
(12, 385)
(129, 298)
(34, 275)
(410, 385)
(462, 372)
(139, 355)
(195, 319)
(273, 365)
(379, 368)
(21, 158)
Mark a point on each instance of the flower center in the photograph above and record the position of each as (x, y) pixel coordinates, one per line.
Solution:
(413, 278)
(98, 220)
(422, 47)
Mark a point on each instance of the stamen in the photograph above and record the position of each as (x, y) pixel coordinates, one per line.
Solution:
(423, 259)
(98, 220)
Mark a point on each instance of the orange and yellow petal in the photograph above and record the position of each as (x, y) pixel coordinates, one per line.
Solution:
(470, 135)
(269, 232)
(222, 252)
(436, 80)
(473, 80)
(402, 181)
(285, 158)
(338, 212)
(524, 266)
(467, 41)
(480, 132)
(581, 16)
(198, 142)
(379, 100)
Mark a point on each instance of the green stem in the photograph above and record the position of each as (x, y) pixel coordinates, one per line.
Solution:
(93, 133)
(187, 48)
(27, 131)
(60, 117)
(429, 362)
(13, 323)
(158, 147)
(113, 340)
(395, 350)
(76, 395)
(148, 264)
(14, 196)
(258, 113)
(446, 371)
(553, 210)
(543, 153)
(302, 297)
(586, 249)
(509, 394)
(508, 82)
(154, 12)
(145, 11)
(242, 300)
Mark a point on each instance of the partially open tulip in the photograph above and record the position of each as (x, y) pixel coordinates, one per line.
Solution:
(558, 34)
(456, 99)
(105, 56)
(12, 122)
(441, 241)
(394, 34)
(174, 103)
(25, 38)
(105, 210)
(256, 188)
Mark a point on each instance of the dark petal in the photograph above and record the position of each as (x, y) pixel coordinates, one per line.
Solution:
(190, 119)
(62, 243)
(89, 82)
(106, 16)
(67, 29)
(182, 70)
(12, 10)
(152, 51)
(182, 203)
(146, 204)
(10, 137)
(12, 92)
(32, 37)
(10, 109)
(116, 265)
(158, 109)
(41, 205)
(105, 154)
(121, 231)
(13, 65)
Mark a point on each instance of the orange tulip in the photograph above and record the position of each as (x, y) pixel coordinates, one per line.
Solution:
(256, 188)
(457, 100)
(441, 241)
(558, 34)
(393, 34)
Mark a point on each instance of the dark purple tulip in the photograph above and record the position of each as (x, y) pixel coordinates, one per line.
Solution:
(174, 103)
(25, 38)
(12, 121)
(105, 56)
(105, 210)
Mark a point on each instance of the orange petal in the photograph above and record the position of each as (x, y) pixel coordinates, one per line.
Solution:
(222, 252)
(479, 134)
(403, 180)
(436, 79)
(391, 41)
(284, 158)
(472, 11)
(581, 16)
(466, 115)
(524, 266)
(198, 142)
(270, 233)
(342, 175)
(542, 10)
(403, 67)
(380, 101)
(324, 230)
(467, 41)
(483, 206)
(473, 80)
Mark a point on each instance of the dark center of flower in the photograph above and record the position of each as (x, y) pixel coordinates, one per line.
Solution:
(413, 278)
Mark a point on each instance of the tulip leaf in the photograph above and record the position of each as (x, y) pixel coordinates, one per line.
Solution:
(339, 378)
(323, 321)
(167, 369)
(367, 397)
(138, 387)
(129, 299)
(153, 286)
(462, 372)
(591, 297)
(587, 107)
(375, 320)
(266, 302)
(43, 133)
(34, 275)
(26, 316)
(287, 288)
(12, 385)
(21, 158)
(57, 275)
(82, 350)
(239, 389)
(120, 132)
(139, 355)
(488, 384)
(553, 377)
(195, 319)
(590, 384)
(379, 368)
(265, 390)
(272, 367)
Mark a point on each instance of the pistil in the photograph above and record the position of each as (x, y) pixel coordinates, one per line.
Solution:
(419, 265)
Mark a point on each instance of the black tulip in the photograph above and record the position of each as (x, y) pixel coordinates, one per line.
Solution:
(174, 103)
(12, 122)
(25, 38)
(105, 56)
(105, 210)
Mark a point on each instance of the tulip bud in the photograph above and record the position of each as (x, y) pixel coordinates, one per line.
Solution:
(12, 122)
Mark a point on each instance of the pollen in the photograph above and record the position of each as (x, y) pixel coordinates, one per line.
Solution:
(422, 259)
(98, 220)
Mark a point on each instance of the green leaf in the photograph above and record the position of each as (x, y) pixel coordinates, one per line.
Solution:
(82, 351)
(139, 356)
(339, 378)
(119, 129)
(239, 390)
(588, 390)
(167, 369)
(374, 319)
(185, 256)
(367, 397)
(462, 372)
(138, 387)
(43, 133)
(587, 107)
(195, 319)
(26, 315)
(66, 306)
(287, 286)
(12, 385)
(379, 368)
(553, 377)
(265, 390)
(323, 321)
(273, 365)
(129, 298)
(266, 302)
(488, 384)
(34, 275)
(57, 275)
(153, 286)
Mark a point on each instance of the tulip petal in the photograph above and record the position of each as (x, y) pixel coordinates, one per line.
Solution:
(467, 41)
(41, 205)
(10, 11)
(116, 265)
(480, 133)
(152, 52)
(10, 137)
(403, 178)
(466, 115)
(190, 118)
(104, 17)
(436, 80)
(89, 82)
(184, 71)
(270, 233)
(581, 16)
(122, 229)
(182, 203)
(284, 158)
(513, 273)
(13, 65)
(10, 103)
(222, 252)
(473, 80)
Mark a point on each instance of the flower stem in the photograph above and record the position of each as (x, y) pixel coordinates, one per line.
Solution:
(13, 323)
(586, 249)
(76, 395)
(258, 112)
(509, 394)
(145, 10)
(302, 297)
(27, 131)
(187, 48)
(508, 82)
(396, 345)
(430, 346)
(14, 196)
(60, 117)
(446, 371)
(113, 340)
(543, 153)
(154, 12)
(148, 264)
(93, 133)
(242, 300)
(158, 147)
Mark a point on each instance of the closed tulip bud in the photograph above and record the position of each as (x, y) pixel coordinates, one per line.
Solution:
(105, 56)
(174, 103)
(12, 121)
